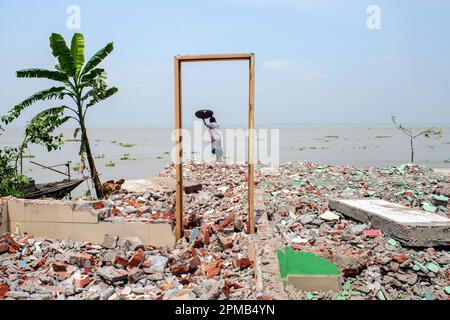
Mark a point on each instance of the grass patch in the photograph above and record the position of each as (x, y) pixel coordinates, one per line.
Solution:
(311, 148)
(100, 157)
(73, 140)
(76, 168)
(114, 141)
(383, 137)
(126, 157)
(28, 156)
(110, 164)
(126, 145)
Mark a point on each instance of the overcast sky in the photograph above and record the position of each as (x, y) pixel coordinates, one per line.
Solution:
(316, 60)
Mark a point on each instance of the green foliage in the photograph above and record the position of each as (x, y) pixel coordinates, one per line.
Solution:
(76, 168)
(126, 156)
(54, 92)
(83, 83)
(427, 133)
(126, 145)
(40, 129)
(11, 183)
(63, 54)
(110, 164)
(77, 51)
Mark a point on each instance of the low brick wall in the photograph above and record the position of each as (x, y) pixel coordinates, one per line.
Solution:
(59, 219)
(265, 244)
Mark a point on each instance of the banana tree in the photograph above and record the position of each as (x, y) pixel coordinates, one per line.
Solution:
(83, 84)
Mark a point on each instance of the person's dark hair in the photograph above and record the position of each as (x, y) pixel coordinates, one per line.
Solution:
(212, 119)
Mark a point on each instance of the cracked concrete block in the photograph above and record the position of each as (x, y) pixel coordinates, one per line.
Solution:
(158, 184)
(410, 226)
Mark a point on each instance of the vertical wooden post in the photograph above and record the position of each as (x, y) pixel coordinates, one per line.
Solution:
(178, 60)
(251, 165)
(179, 152)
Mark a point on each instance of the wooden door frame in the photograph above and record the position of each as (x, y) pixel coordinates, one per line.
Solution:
(178, 61)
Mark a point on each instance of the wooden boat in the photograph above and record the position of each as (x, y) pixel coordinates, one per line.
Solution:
(55, 190)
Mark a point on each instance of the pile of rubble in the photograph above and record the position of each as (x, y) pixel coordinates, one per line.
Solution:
(373, 265)
(211, 262)
(145, 207)
(36, 268)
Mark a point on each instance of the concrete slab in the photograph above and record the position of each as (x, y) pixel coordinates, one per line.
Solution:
(158, 184)
(410, 226)
(443, 171)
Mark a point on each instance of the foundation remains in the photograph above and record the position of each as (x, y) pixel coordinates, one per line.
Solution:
(410, 226)
(79, 220)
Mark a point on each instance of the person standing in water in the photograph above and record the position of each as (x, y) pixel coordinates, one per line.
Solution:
(216, 137)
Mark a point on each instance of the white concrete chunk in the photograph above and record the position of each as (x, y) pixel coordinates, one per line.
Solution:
(410, 226)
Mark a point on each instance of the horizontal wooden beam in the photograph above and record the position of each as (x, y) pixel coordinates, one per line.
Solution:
(215, 57)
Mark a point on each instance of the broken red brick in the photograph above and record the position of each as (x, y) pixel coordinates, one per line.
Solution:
(81, 282)
(226, 290)
(225, 242)
(243, 263)
(115, 211)
(98, 205)
(132, 202)
(3, 247)
(4, 288)
(13, 243)
(213, 268)
(180, 268)
(39, 263)
(137, 258)
(228, 220)
(59, 266)
(194, 263)
(185, 280)
(227, 287)
(399, 258)
(118, 260)
(83, 260)
(372, 233)
(87, 271)
(195, 187)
